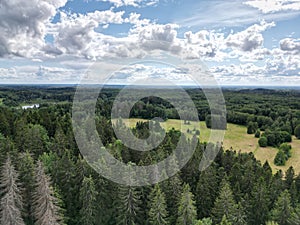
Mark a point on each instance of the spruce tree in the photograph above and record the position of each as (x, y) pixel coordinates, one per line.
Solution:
(224, 204)
(206, 191)
(11, 201)
(259, 203)
(88, 199)
(26, 168)
(128, 205)
(224, 221)
(282, 210)
(187, 213)
(158, 210)
(46, 205)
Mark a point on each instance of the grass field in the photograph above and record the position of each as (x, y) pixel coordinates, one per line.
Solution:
(237, 138)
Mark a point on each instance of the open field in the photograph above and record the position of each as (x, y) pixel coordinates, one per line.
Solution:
(236, 137)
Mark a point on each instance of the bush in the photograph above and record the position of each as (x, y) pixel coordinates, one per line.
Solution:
(263, 142)
(257, 134)
(197, 132)
(252, 127)
(286, 149)
(297, 131)
(280, 158)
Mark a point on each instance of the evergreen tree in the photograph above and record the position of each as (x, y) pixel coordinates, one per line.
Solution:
(282, 210)
(271, 223)
(46, 205)
(295, 217)
(158, 213)
(187, 213)
(88, 199)
(259, 203)
(206, 191)
(204, 221)
(173, 189)
(128, 205)
(26, 168)
(11, 201)
(224, 204)
(224, 221)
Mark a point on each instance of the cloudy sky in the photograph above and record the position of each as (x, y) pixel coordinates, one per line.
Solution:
(241, 42)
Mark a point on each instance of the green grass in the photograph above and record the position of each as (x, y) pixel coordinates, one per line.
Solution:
(236, 137)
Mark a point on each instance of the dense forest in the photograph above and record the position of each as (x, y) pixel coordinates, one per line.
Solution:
(45, 180)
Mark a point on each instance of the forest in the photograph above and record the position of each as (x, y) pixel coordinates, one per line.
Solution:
(44, 180)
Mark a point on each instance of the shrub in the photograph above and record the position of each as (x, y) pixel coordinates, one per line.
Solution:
(257, 134)
(297, 131)
(280, 158)
(263, 142)
(286, 149)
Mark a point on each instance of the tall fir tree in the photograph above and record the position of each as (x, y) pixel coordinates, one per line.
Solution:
(11, 201)
(88, 199)
(128, 205)
(46, 205)
(224, 204)
(26, 167)
(158, 214)
(206, 191)
(282, 210)
(187, 213)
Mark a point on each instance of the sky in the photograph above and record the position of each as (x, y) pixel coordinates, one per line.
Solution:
(240, 42)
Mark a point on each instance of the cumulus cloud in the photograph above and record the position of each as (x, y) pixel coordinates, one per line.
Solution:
(290, 45)
(134, 3)
(75, 34)
(249, 39)
(23, 26)
(203, 44)
(271, 6)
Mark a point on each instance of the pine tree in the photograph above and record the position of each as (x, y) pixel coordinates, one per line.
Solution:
(271, 223)
(224, 221)
(282, 210)
(11, 202)
(259, 203)
(295, 217)
(224, 204)
(206, 191)
(187, 213)
(158, 213)
(26, 168)
(88, 198)
(173, 189)
(46, 205)
(204, 221)
(128, 205)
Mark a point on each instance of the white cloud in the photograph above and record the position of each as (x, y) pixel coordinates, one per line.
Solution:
(134, 3)
(204, 44)
(249, 39)
(290, 45)
(271, 6)
(75, 34)
(23, 25)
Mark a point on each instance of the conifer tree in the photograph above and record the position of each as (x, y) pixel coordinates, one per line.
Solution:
(187, 213)
(206, 191)
(259, 203)
(46, 205)
(158, 210)
(224, 204)
(11, 201)
(224, 221)
(128, 205)
(26, 168)
(88, 198)
(282, 210)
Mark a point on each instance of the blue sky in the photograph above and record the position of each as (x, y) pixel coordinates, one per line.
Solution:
(241, 42)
